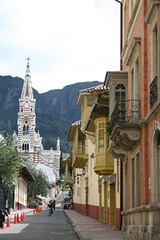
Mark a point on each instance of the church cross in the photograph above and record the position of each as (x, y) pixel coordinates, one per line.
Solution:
(28, 59)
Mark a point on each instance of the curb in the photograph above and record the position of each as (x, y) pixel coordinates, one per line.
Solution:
(12, 218)
(73, 225)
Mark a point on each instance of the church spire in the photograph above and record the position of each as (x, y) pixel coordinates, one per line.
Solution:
(27, 86)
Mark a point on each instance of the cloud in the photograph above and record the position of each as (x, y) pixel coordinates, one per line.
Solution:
(67, 41)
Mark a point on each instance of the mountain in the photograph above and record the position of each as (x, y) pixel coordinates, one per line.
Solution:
(55, 110)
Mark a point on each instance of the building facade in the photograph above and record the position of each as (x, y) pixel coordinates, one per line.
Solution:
(96, 174)
(135, 115)
(29, 141)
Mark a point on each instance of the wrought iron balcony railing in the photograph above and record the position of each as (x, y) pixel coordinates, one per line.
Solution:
(126, 111)
(153, 92)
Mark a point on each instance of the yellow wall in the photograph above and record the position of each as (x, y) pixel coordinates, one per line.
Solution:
(79, 189)
(85, 108)
(21, 192)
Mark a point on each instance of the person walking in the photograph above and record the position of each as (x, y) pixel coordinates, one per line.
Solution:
(54, 204)
(2, 218)
(49, 208)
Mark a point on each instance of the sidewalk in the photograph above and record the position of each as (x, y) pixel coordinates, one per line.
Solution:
(12, 214)
(89, 229)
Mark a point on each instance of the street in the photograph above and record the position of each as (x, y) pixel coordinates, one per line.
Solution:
(41, 226)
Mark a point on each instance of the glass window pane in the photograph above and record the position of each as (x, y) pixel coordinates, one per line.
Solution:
(101, 125)
(101, 133)
(101, 148)
(101, 140)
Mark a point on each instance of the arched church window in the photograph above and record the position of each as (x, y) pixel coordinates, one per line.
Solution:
(26, 128)
(25, 146)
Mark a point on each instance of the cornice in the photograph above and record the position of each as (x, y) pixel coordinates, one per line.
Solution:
(135, 44)
(151, 11)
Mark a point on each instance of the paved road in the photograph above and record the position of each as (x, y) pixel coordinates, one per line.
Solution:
(41, 227)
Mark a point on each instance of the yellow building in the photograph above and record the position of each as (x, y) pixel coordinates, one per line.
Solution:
(106, 167)
(67, 164)
(96, 174)
(85, 180)
(21, 186)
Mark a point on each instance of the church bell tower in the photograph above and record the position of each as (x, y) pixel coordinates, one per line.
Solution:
(26, 115)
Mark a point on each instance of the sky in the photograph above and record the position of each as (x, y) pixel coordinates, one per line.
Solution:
(68, 41)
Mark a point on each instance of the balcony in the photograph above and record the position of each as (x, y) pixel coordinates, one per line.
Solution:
(104, 164)
(153, 92)
(69, 180)
(126, 132)
(81, 156)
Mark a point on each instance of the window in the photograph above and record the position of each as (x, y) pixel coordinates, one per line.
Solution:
(152, 18)
(135, 81)
(132, 184)
(25, 146)
(154, 54)
(125, 185)
(101, 138)
(135, 181)
(26, 128)
(154, 67)
(120, 92)
(120, 95)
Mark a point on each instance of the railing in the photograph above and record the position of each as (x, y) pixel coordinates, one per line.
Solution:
(82, 149)
(126, 111)
(153, 92)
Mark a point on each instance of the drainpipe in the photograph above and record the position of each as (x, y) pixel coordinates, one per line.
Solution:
(120, 32)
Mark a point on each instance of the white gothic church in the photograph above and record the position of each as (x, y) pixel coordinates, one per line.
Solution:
(28, 140)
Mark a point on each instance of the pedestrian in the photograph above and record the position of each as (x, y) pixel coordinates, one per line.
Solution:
(49, 208)
(2, 218)
(54, 204)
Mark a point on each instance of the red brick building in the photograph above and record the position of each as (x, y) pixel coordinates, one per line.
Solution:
(135, 114)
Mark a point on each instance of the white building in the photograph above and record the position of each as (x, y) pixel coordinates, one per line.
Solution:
(28, 140)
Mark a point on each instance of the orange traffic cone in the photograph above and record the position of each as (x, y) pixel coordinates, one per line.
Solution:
(8, 222)
(34, 211)
(3, 226)
(24, 216)
(15, 219)
(21, 217)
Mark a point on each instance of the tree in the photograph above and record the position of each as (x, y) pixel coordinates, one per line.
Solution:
(40, 185)
(10, 164)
